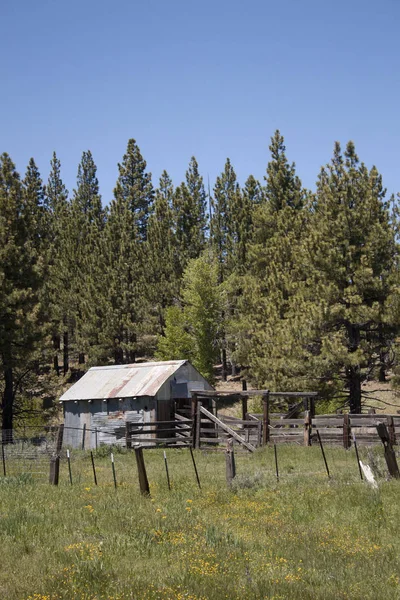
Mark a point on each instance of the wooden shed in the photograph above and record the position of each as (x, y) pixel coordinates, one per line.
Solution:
(98, 406)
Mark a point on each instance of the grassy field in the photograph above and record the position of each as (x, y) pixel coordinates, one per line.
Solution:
(301, 537)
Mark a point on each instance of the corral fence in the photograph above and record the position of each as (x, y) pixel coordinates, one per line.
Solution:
(257, 430)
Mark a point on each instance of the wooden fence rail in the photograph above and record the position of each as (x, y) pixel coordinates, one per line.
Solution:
(160, 433)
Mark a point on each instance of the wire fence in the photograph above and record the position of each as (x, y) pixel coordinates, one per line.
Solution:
(26, 452)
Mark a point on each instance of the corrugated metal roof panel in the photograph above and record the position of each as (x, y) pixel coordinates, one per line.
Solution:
(122, 381)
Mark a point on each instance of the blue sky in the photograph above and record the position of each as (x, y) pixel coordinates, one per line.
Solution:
(212, 79)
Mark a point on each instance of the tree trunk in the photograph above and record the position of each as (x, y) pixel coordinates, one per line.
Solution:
(65, 352)
(56, 346)
(354, 382)
(81, 358)
(131, 353)
(118, 355)
(55, 364)
(7, 406)
(382, 355)
(224, 365)
(118, 352)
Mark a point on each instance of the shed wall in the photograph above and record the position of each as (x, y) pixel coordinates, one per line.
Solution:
(179, 385)
(188, 375)
(105, 421)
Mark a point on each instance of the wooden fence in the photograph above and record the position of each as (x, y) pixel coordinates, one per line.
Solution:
(333, 429)
(206, 430)
(160, 433)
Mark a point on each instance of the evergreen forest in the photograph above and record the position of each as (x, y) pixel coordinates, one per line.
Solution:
(294, 289)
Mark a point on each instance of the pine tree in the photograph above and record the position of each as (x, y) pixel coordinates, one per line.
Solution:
(190, 220)
(134, 187)
(195, 186)
(226, 191)
(125, 259)
(283, 187)
(162, 283)
(87, 200)
(352, 254)
(226, 212)
(37, 210)
(317, 322)
(253, 191)
(274, 271)
(58, 284)
(86, 224)
(21, 319)
(244, 204)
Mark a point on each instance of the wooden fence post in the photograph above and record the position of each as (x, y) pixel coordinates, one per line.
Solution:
(94, 468)
(390, 455)
(69, 466)
(128, 434)
(166, 470)
(113, 470)
(244, 408)
(230, 462)
(266, 436)
(59, 441)
(54, 470)
(195, 468)
(244, 400)
(346, 431)
(198, 425)
(194, 418)
(323, 454)
(357, 456)
(83, 436)
(391, 430)
(307, 428)
(143, 481)
(276, 462)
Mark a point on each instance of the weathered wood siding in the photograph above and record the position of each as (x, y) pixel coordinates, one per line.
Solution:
(104, 420)
(72, 425)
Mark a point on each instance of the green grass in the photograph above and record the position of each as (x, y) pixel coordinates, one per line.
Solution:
(304, 537)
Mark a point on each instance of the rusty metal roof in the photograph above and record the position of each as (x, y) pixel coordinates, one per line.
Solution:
(122, 381)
